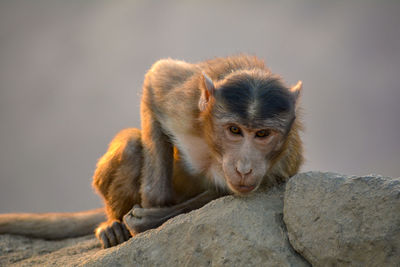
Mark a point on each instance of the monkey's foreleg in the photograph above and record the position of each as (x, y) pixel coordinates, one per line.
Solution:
(142, 219)
(156, 188)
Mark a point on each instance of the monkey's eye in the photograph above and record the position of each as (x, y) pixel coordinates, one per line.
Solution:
(263, 133)
(235, 130)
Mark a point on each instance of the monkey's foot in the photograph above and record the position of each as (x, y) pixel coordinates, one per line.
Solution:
(141, 219)
(112, 234)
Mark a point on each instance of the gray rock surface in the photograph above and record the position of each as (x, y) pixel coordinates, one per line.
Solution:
(25, 251)
(337, 220)
(230, 231)
(331, 220)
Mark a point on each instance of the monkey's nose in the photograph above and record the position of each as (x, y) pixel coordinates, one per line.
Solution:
(244, 172)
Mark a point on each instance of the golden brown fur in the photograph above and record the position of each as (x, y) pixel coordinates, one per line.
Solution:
(118, 172)
(178, 116)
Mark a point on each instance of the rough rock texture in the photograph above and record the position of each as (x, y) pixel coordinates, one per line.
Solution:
(229, 231)
(24, 251)
(336, 220)
(331, 220)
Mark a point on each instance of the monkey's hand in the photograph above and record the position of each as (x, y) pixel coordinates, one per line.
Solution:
(141, 219)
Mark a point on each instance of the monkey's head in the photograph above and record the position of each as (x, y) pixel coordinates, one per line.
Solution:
(247, 117)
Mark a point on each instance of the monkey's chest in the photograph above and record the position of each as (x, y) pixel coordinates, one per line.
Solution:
(193, 151)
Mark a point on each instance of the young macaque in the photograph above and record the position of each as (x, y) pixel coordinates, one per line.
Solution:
(223, 126)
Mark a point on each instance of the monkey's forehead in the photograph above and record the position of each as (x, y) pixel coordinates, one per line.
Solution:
(258, 102)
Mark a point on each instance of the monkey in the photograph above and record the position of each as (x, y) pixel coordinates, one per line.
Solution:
(223, 126)
(208, 129)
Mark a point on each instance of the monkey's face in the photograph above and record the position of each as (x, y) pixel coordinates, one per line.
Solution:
(250, 112)
(246, 155)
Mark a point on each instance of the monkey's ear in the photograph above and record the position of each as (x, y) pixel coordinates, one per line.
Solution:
(207, 90)
(296, 90)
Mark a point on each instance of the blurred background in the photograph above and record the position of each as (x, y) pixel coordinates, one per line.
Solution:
(71, 75)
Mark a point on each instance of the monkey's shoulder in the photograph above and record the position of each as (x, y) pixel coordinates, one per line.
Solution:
(171, 72)
(170, 83)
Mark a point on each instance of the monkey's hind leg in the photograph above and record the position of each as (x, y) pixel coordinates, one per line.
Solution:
(117, 179)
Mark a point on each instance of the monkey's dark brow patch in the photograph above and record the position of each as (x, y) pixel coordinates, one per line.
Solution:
(235, 97)
(272, 101)
(253, 99)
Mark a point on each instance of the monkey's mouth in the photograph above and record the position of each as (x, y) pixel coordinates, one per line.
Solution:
(243, 189)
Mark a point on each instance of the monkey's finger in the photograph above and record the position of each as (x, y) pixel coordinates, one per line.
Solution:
(125, 231)
(104, 240)
(111, 236)
(138, 213)
(116, 227)
(131, 222)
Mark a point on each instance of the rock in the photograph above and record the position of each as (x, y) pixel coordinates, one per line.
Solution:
(230, 231)
(25, 251)
(331, 220)
(337, 220)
